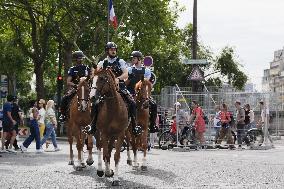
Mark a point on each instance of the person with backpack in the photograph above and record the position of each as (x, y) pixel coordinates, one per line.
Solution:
(225, 130)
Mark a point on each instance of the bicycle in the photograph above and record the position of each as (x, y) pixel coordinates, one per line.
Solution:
(167, 139)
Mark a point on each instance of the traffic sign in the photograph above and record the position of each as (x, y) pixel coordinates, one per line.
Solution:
(195, 61)
(148, 61)
(196, 74)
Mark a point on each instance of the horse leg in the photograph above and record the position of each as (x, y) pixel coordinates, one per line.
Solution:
(118, 145)
(129, 160)
(109, 172)
(71, 155)
(90, 160)
(100, 171)
(145, 147)
(79, 146)
(134, 148)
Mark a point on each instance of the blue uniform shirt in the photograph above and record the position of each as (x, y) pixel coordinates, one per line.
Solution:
(112, 60)
(147, 73)
(6, 108)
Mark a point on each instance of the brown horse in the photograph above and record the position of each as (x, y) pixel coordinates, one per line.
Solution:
(143, 91)
(79, 117)
(111, 124)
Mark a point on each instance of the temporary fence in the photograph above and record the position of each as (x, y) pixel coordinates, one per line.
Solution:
(208, 99)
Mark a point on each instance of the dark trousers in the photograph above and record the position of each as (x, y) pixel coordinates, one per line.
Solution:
(240, 133)
(153, 114)
(34, 134)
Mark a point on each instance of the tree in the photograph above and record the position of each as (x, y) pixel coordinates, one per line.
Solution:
(229, 69)
(31, 22)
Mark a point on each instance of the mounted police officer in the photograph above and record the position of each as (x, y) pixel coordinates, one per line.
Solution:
(119, 69)
(73, 79)
(135, 73)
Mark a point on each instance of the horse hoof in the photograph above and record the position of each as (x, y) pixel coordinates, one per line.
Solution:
(129, 162)
(135, 167)
(110, 174)
(115, 183)
(90, 162)
(100, 173)
(83, 165)
(71, 163)
(79, 168)
(144, 168)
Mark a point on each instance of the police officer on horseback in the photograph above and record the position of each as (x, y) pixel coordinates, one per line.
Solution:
(119, 68)
(73, 79)
(136, 73)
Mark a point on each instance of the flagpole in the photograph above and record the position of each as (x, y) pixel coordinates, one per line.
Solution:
(107, 20)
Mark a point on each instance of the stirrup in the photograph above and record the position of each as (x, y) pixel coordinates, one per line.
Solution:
(137, 130)
(89, 130)
(62, 118)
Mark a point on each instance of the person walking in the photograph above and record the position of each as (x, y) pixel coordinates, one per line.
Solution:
(18, 117)
(264, 116)
(41, 118)
(34, 129)
(217, 122)
(225, 130)
(240, 120)
(199, 123)
(51, 124)
(249, 117)
(8, 124)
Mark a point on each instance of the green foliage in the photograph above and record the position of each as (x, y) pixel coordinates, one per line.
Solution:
(229, 68)
(38, 27)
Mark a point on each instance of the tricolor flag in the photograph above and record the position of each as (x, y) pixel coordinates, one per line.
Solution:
(112, 17)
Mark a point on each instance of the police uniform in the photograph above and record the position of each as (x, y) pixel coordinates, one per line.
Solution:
(135, 74)
(117, 65)
(75, 72)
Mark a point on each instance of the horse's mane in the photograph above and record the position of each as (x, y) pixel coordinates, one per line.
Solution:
(108, 71)
(140, 83)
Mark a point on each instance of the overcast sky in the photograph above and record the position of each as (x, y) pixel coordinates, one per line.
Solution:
(254, 27)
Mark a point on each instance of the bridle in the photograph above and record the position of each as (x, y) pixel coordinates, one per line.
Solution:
(84, 97)
(105, 82)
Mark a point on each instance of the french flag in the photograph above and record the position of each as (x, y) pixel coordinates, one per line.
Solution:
(112, 16)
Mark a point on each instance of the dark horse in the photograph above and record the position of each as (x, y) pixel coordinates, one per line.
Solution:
(79, 117)
(111, 124)
(143, 91)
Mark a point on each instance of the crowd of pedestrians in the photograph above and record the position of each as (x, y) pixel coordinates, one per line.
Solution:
(230, 125)
(41, 122)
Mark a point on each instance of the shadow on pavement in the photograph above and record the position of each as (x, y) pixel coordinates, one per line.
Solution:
(106, 182)
(166, 176)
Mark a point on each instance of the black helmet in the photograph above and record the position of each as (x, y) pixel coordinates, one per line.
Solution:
(78, 55)
(110, 45)
(137, 54)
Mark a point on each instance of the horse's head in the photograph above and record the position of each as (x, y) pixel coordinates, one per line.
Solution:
(106, 82)
(83, 94)
(143, 91)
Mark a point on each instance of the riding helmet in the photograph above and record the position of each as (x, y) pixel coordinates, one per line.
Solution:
(110, 45)
(78, 55)
(137, 54)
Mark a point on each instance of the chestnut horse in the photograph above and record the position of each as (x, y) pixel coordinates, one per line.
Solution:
(79, 117)
(143, 91)
(111, 124)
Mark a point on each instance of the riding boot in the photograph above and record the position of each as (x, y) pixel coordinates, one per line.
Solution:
(94, 115)
(63, 107)
(153, 115)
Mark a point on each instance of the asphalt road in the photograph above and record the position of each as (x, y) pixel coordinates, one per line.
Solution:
(166, 169)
